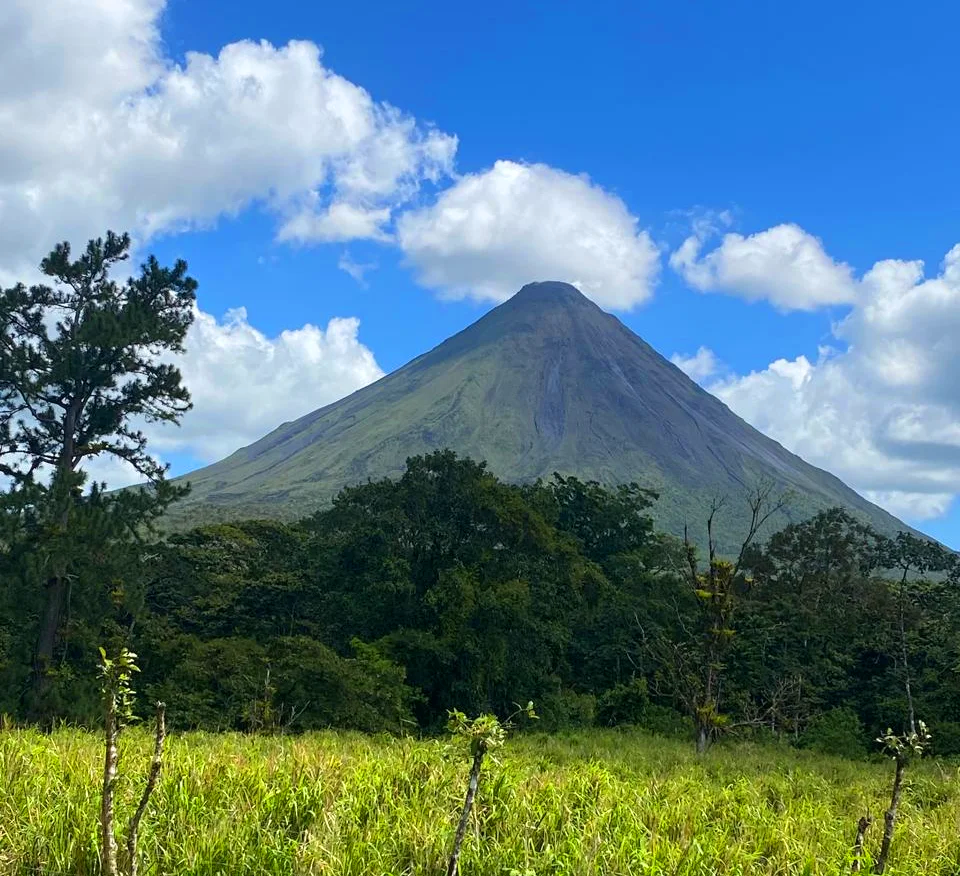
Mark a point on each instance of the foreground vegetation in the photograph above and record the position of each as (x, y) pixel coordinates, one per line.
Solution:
(604, 802)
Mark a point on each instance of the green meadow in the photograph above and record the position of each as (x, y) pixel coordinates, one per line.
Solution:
(597, 802)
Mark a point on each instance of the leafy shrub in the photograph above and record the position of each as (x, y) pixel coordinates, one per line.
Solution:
(629, 705)
(319, 688)
(565, 709)
(945, 738)
(292, 683)
(838, 732)
(623, 704)
(665, 721)
(213, 684)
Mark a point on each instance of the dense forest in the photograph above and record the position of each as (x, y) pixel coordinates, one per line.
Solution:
(444, 589)
(448, 588)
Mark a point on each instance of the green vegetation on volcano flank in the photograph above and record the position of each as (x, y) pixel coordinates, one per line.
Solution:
(546, 382)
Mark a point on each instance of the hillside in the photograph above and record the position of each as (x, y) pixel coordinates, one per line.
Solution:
(545, 382)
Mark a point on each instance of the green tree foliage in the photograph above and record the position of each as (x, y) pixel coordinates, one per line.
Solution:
(826, 623)
(838, 732)
(813, 618)
(634, 581)
(444, 587)
(82, 368)
(447, 588)
(455, 576)
(235, 618)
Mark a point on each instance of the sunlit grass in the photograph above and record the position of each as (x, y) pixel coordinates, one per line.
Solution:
(591, 803)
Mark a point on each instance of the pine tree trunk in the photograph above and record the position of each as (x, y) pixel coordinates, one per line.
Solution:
(56, 597)
(56, 593)
(56, 600)
(452, 868)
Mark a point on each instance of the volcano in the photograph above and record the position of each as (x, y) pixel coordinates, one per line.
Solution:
(546, 382)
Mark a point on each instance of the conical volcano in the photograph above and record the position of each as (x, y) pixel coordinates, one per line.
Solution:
(546, 382)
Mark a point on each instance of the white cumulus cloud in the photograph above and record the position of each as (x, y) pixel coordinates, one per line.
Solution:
(784, 265)
(492, 232)
(884, 413)
(98, 127)
(244, 384)
(338, 222)
(701, 365)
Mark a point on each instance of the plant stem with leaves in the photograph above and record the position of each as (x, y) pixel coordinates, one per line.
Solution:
(901, 749)
(483, 733)
(116, 675)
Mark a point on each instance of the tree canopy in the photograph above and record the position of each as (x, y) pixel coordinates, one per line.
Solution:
(447, 588)
(84, 364)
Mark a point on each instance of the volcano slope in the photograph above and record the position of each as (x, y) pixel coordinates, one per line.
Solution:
(546, 382)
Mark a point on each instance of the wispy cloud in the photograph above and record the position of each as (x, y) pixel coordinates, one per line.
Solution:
(357, 270)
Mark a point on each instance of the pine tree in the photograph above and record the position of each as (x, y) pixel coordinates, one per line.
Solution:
(82, 370)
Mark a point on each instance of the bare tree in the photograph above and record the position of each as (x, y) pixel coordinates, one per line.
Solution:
(911, 556)
(694, 665)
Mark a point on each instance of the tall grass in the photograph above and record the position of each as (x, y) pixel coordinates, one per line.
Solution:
(593, 803)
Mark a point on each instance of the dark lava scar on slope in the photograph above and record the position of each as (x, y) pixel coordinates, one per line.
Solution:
(550, 418)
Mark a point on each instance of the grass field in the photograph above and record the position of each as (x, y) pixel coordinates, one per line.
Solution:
(597, 803)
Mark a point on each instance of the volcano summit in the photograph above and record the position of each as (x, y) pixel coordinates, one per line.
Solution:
(546, 382)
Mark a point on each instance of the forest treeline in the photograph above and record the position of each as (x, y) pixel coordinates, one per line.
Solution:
(443, 589)
(449, 588)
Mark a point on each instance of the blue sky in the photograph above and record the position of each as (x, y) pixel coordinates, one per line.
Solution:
(791, 148)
